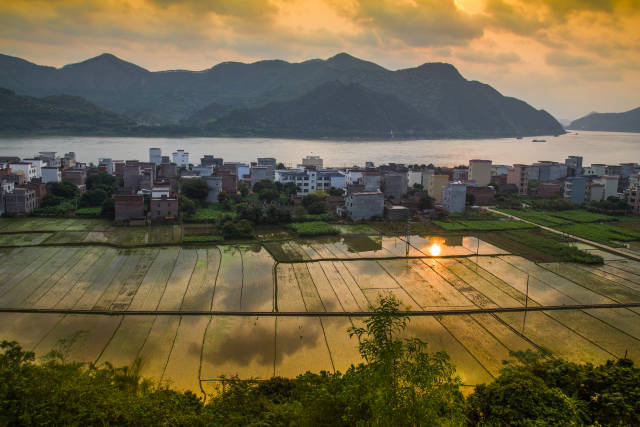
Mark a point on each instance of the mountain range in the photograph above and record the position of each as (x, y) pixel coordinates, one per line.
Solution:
(342, 96)
(628, 121)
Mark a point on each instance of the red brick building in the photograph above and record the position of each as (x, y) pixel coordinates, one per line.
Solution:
(164, 209)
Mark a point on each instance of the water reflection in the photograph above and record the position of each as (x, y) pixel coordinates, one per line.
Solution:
(434, 250)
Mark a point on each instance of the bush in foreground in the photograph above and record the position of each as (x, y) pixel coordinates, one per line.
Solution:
(314, 228)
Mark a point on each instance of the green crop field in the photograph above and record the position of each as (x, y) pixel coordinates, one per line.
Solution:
(482, 225)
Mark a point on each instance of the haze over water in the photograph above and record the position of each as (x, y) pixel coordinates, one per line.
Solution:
(595, 147)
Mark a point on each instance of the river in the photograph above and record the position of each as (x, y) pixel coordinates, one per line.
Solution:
(595, 147)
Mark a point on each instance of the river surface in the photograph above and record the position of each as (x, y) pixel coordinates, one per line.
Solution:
(595, 147)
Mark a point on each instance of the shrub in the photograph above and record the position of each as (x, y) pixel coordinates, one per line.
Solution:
(92, 212)
(314, 228)
(241, 229)
(202, 239)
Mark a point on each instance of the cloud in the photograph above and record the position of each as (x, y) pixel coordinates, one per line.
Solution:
(563, 59)
(422, 23)
(484, 57)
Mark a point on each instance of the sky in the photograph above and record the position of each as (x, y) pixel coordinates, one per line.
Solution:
(569, 57)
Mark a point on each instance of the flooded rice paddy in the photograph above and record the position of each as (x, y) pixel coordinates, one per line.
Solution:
(294, 278)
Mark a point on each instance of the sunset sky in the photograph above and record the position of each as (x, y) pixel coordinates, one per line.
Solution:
(569, 57)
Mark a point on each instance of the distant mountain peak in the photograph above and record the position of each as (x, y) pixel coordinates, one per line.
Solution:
(440, 70)
(106, 59)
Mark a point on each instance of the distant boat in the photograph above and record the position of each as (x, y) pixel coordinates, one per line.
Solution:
(518, 137)
(538, 140)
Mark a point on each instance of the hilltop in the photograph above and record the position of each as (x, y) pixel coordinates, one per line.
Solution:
(629, 121)
(433, 99)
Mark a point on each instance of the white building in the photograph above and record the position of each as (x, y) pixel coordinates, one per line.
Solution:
(38, 164)
(24, 168)
(480, 172)
(305, 179)
(160, 190)
(328, 178)
(181, 159)
(155, 156)
(51, 174)
(610, 185)
(454, 197)
(596, 169)
(107, 163)
(414, 177)
(202, 170)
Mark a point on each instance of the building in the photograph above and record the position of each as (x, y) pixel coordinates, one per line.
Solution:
(397, 213)
(51, 174)
(480, 172)
(610, 184)
(436, 183)
(259, 173)
(163, 209)
(519, 176)
(306, 180)
(482, 195)
(596, 169)
(548, 189)
(215, 187)
(497, 170)
(271, 163)
(107, 163)
(330, 178)
(25, 168)
(38, 164)
(77, 177)
(574, 165)
(594, 192)
(155, 156)
(160, 190)
(129, 207)
(312, 162)
(209, 160)
(395, 185)
(459, 174)
(454, 197)
(20, 201)
(181, 159)
(364, 205)
(633, 200)
(202, 170)
(547, 171)
(426, 177)
(167, 170)
(413, 178)
(575, 188)
(131, 178)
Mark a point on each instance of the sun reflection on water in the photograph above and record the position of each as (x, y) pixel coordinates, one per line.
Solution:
(434, 250)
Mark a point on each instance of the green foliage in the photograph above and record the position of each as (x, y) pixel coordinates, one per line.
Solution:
(92, 212)
(314, 202)
(268, 195)
(612, 206)
(108, 209)
(65, 190)
(276, 215)
(290, 188)
(102, 180)
(212, 213)
(603, 233)
(483, 225)
(249, 212)
(335, 191)
(187, 206)
(425, 202)
(314, 228)
(541, 218)
(240, 229)
(539, 391)
(243, 188)
(552, 204)
(550, 245)
(51, 200)
(202, 239)
(580, 215)
(95, 197)
(195, 189)
(64, 208)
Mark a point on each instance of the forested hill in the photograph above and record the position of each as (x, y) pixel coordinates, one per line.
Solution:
(629, 121)
(57, 114)
(434, 95)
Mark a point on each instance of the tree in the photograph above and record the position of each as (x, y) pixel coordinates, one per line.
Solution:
(249, 212)
(262, 185)
(425, 201)
(268, 195)
(64, 189)
(280, 165)
(290, 188)
(314, 202)
(470, 199)
(238, 229)
(187, 206)
(243, 188)
(95, 197)
(336, 191)
(196, 189)
(51, 200)
(223, 198)
(108, 208)
(102, 180)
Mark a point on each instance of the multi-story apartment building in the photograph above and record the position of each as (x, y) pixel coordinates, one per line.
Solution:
(454, 197)
(181, 158)
(480, 172)
(575, 188)
(518, 175)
